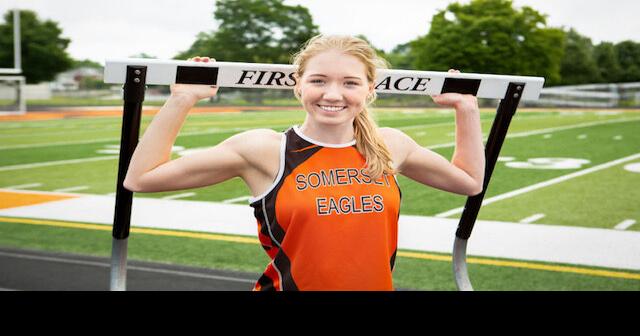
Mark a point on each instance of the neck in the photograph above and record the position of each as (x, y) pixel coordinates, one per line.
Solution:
(331, 134)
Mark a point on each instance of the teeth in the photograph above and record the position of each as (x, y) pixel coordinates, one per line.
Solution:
(331, 108)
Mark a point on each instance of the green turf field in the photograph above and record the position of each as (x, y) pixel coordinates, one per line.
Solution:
(82, 153)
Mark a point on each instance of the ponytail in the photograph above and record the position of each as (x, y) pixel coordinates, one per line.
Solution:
(371, 145)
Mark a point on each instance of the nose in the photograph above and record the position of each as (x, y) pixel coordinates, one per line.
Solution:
(332, 93)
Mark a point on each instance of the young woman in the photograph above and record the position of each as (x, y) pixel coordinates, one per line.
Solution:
(325, 194)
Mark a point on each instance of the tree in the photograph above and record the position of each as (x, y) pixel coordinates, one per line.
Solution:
(43, 49)
(629, 59)
(260, 31)
(490, 36)
(578, 65)
(401, 56)
(606, 58)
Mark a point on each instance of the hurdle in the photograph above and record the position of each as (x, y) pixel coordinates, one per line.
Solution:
(135, 74)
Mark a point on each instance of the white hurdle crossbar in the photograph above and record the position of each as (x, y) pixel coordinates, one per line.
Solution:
(280, 76)
(136, 73)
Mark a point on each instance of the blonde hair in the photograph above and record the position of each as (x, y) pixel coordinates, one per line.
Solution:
(368, 141)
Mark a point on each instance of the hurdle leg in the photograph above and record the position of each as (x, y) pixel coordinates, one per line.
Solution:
(506, 110)
(134, 89)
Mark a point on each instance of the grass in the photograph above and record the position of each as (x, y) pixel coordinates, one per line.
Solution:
(597, 200)
(409, 273)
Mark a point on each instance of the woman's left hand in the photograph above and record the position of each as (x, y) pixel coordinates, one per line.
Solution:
(452, 99)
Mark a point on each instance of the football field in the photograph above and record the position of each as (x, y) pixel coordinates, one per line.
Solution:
(565, 168)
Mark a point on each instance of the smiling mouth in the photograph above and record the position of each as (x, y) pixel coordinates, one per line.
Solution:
(330, 108)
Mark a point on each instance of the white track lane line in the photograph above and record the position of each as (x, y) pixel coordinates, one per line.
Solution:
(129, 267)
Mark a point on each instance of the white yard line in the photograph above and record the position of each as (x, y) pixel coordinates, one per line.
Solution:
(24, 186)
(545, 130)
(185, 195)
(444, 145)
(55, 163)
(72, 189)
(63, 143)
(544, 184)
(625, 224)
(238, 199)
(532, 218)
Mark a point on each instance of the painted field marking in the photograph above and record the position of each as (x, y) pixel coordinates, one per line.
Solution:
(55, 163)
(24, 186)
(84, 142)
(617, 137)
(184, 195)
(444, 145)
(543, 184)
(72, 189)
(406, 254)
(12, 198)
(633, 167)
(527, 133)
(532, 218)
(625, 224)
(135, 268)
(547, 130)
(237, 199)
(582, 136)
(547, 136)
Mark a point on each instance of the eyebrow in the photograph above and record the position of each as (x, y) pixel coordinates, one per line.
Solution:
(346, 77)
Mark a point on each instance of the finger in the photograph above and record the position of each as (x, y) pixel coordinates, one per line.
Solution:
(205, 59)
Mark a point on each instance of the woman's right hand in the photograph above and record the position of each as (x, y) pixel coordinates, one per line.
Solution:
(195, 92)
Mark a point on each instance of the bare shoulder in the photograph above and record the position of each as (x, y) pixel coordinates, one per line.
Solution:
(399, 144)
(395, 138)
(256, 137)
(259, 148)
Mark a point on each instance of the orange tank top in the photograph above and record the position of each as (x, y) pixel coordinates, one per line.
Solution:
(325, 224)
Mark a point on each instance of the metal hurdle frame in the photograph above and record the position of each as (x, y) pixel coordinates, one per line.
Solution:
(135, 74)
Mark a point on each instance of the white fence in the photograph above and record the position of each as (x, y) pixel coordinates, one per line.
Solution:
(590, 95)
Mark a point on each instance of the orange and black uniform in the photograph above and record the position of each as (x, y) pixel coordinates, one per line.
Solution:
(324, 222)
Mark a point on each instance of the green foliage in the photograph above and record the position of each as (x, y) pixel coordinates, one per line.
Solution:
(86, 63)
(578, 65)
(401, 57)
(43, 49)
(606, 58)
(255, 31)
(629, 59)
(490, 36)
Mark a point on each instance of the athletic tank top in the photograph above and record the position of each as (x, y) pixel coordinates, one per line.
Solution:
(324, 223)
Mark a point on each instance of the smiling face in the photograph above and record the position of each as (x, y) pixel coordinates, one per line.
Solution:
(334, 87)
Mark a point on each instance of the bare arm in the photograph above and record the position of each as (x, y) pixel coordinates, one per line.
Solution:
(151, 168)
(465, 173)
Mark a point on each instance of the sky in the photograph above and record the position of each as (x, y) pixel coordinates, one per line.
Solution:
(162, 28)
